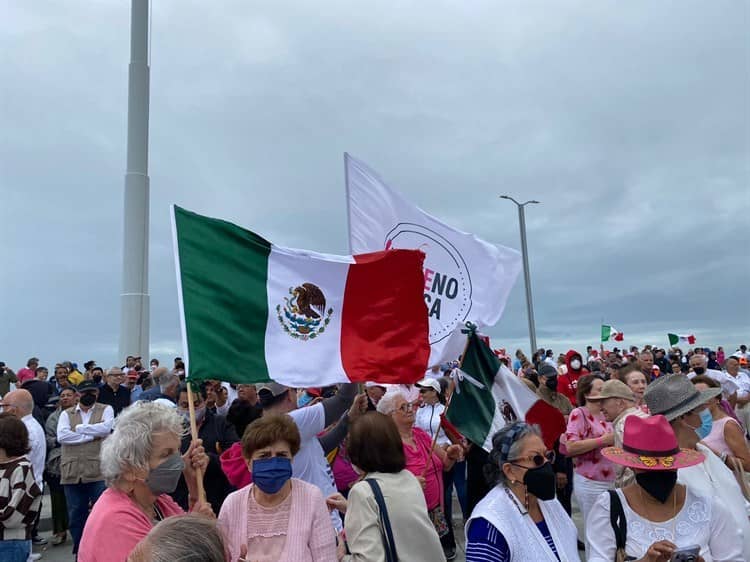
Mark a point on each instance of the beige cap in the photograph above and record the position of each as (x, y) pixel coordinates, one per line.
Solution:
(614, 389)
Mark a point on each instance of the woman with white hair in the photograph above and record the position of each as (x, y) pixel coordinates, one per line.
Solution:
(187, 538)
(141, 464)
(426, 463)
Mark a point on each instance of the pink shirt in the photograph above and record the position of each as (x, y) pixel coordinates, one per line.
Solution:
(24, 375)
(582, 424)
(715, 439)
(116, 525)
(417, 458)
(309, 533)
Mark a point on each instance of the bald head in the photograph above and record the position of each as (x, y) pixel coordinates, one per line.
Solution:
(19, 403)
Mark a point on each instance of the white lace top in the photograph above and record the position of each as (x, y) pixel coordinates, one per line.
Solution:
(701, 521)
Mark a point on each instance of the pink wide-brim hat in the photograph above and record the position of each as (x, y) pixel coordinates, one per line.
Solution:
(650, 444)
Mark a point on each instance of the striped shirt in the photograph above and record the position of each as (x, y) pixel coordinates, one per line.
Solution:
(486, 544)
(20, 499)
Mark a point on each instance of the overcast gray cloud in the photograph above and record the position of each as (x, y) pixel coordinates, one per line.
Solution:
(629, 121)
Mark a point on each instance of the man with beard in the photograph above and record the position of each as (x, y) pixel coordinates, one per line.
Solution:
(567, 384)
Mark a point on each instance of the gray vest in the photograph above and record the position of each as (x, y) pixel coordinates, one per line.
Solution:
(80, 463)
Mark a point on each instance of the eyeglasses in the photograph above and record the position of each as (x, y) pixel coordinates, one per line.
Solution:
(424, 390)
(537, 460)
(406, 408)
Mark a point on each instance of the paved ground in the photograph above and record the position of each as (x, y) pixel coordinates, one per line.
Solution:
(63, 552)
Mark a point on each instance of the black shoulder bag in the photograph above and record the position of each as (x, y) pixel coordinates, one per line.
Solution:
(619, 526)
(385, 523)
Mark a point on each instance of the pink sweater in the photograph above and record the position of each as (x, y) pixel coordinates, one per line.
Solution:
(116, 525)
(310, 535)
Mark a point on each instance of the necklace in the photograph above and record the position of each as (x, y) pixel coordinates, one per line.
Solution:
(515, 501)
(674, 512)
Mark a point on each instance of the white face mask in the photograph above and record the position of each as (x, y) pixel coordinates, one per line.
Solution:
(575, 364)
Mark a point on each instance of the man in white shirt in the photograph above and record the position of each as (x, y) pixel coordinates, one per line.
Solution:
(742, 380)
(80, 431)
(21, 404)
(310, 463)
(698, 364)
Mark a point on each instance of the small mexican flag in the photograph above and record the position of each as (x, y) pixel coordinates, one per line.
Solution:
(488, 396)
(253, 312)
(674, 339)
(609, 333)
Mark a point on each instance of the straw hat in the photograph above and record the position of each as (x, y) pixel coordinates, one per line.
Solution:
(674, 395)
(650, 444)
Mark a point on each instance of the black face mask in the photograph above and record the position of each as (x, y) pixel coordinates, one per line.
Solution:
(657, 483)
(699, 370)
(97, 379)
(540, 481)
(551, 383)
(88, 399)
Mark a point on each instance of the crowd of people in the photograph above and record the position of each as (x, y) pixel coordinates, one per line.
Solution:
(654, 457)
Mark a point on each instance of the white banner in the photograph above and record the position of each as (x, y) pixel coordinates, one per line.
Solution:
(466, 279)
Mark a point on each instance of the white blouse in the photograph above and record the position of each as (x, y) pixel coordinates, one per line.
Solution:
(701, 521)
(427, 418)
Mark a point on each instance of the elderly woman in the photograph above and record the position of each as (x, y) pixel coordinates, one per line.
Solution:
(660, 515)
(277, 518)
(141, 463)
(426, 463)
(587, 433)
(184, 538)
(726, 438)
(375, 449)
(636, 380)
(519, 519)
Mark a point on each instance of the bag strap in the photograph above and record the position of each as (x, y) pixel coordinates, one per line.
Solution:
(617, 519)
(385, 527)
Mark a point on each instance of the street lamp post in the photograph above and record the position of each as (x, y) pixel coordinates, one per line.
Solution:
(526, 278)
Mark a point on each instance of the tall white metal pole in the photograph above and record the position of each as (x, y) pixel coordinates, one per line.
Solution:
(134, 300)
(526, 273)
(527, 277)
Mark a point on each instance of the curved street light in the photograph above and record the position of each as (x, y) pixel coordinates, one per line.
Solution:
(526, 277)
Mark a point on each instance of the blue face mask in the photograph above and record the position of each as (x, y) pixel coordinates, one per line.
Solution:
(706, 424)
(303, 400)
(270, 475)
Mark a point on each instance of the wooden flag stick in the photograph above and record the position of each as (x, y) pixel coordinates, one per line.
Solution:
(194, 435)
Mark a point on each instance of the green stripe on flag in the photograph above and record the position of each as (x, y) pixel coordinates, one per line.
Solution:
(472, 409)
(223, 271)
(674, 339)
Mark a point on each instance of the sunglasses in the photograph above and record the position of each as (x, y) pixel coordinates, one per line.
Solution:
(537, 460)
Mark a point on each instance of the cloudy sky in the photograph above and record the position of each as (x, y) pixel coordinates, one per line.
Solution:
(630, 121)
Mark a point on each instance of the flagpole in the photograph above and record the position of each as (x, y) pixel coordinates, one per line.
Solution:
(448, 405)
(134, 299)
(348, 202)
(194, 435)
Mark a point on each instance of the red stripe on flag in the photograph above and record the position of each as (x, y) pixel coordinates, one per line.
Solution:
(451, 431)
(384, 324)
(619, 337)
(549, 419)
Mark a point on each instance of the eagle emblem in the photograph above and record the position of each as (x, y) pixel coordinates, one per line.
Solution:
(303, 315)
(506, 410)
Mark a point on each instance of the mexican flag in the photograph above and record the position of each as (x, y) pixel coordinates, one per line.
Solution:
(609, 333)
(253, 312)
(488, 396)
(674, 339)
